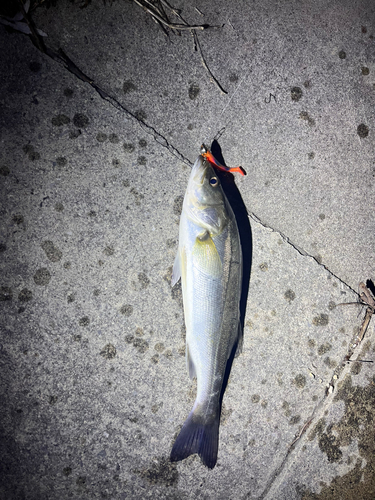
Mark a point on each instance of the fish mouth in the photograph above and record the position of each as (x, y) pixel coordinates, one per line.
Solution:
(199, 170)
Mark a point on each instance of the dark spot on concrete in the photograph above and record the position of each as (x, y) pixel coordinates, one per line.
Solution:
(331, 305)
(320, 320)
(323, 348)
(330, 362)
(299, 381)
(264, 403)
(322, 216)
(161, 471)
(126, 183)
(142, 143)
(96, 292)
(311, 155)
(61, 161)
(328, 444)
(116, 162)
(68, 92)
(109, 251)
(70, 298)
(81, 480)
(25, 295)
(60, 120)
(128, 86)
(263, 267)
(365, 71)
(4, 170)
(141, 115)
(233, 78)
(176, 293)
(52, 252)
(85, 321)
(296, 93)
(53, 400)
(92, 213)
(80, 120)
(194, 91)
(5, 294)
(140, 344)
(342, 54)
(307, 84)
(190, 126)
(128, 147)
(317, 430)
(285, 406)
(113, 138)
(255, 398)
(356, 368)
(289, 295)
(305, 116)
(101, 137)
(318, 258)
(73, 134)
(42, 277)
(35, 66)
(363, 29)
(295, 419)
(139, 331)
(126, 310)
(159, 347)
(27, 149)
(177, 205)
(143, 280)
(171, 243)
(108, 351)
(67, 471)
(67, 265)
(17, 219)
(141, 160)
(156, 407)
(362, 130)
(155, 358)
(34, 156)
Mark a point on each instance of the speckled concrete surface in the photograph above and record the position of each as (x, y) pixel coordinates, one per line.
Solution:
(94, 386)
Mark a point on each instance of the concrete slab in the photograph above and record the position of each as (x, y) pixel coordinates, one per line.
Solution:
(94, 384)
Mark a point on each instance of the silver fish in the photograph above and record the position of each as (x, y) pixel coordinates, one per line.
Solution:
(209, 262)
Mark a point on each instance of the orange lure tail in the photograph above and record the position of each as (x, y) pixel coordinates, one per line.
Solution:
(210, 157)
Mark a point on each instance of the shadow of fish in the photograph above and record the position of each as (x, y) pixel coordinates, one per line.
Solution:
(209, 262)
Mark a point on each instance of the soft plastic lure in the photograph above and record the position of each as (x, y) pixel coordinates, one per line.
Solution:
(206, 153)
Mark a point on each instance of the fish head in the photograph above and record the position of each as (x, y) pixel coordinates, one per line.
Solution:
(205, 202)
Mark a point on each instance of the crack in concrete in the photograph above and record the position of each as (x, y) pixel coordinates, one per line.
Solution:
(68, 64)
(300, 250)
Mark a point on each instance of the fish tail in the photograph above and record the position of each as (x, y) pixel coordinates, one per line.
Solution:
(198, 436)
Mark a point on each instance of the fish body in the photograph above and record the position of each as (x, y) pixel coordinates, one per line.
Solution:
(209, 262)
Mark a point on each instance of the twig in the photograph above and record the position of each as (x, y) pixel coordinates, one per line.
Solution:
(154, 13)
(213, 79)
(366, 298)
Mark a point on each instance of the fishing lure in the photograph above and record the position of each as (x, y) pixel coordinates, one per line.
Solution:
(206, 153)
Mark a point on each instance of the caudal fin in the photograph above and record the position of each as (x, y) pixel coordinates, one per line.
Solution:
(198, 437)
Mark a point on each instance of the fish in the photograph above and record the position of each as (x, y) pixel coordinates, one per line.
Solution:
(206, 153)
(209, 263)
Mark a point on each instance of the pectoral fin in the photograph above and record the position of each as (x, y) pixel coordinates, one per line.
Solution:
(205, 255)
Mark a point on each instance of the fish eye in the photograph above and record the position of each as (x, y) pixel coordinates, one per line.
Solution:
(214, 181)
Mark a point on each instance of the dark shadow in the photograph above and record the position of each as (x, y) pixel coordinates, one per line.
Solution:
(235, 199)
(370, 285)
